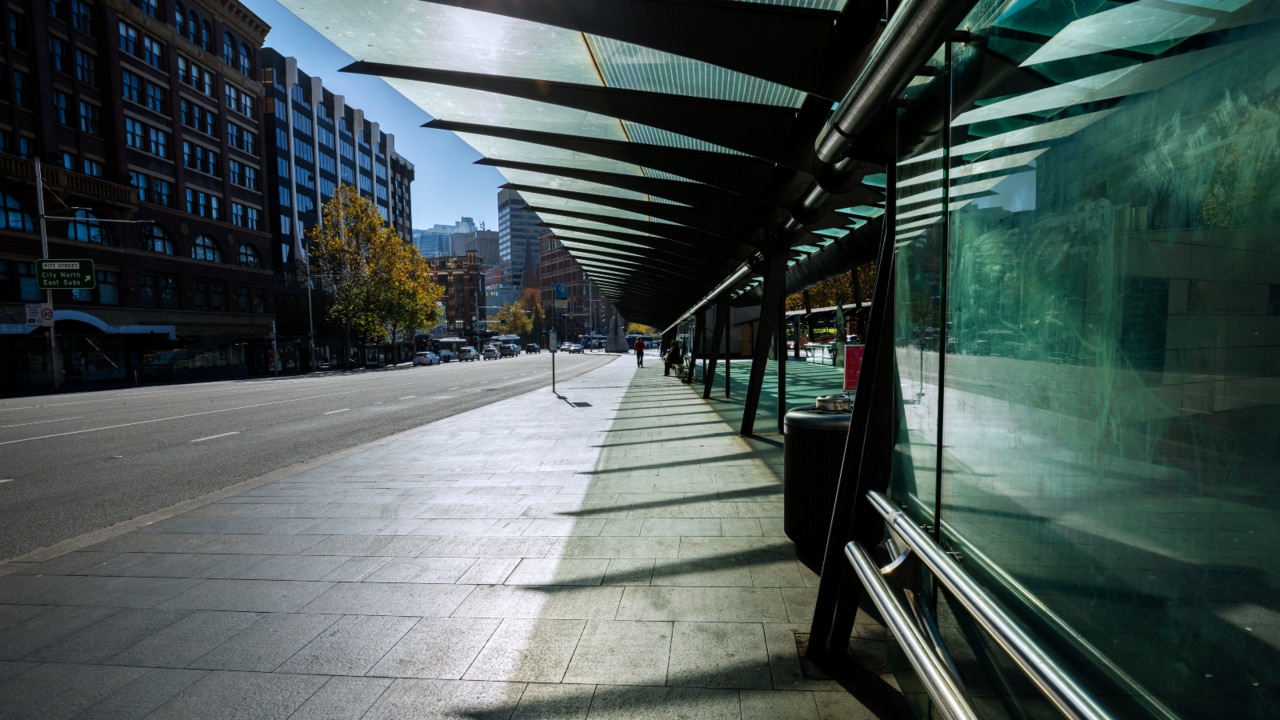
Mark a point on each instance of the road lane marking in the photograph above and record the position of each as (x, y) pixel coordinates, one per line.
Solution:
(215, 437)
(335, 412)
(41, 422)
(180, 417)
(408, 397)
(5, 480)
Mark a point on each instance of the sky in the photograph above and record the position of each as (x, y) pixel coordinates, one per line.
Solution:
(447, 185)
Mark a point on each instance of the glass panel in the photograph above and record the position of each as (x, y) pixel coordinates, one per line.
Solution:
(1112, 412)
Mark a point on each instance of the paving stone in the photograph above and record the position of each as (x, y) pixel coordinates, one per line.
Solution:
(350, 646)
(446, 700)
(248, 595)
(405, 599)
(442, 648)
(342, 698)
(568, 603)
(621, 653)
(238, 695)
(181, 642)
(719, 655)
(55, 690)
(143, 695)
(528, 650)
(663, 703)
(267, 643)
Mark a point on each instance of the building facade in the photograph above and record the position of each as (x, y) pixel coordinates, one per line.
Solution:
(518, 231)
(146, 119)
(462, 277)
(314, 142)
(585, 315)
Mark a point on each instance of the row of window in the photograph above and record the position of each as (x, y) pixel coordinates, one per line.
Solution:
(136, 89)
(141, 45)
(77, 12)
(18, 282)
(85, 227)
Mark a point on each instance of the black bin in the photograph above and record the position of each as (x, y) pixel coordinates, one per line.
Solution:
(812, 449)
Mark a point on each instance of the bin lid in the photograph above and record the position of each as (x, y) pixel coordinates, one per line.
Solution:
(836, 403)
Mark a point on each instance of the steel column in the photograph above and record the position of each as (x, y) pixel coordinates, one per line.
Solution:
(775, 281)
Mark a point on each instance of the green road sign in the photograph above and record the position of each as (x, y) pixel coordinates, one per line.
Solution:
(65, 275)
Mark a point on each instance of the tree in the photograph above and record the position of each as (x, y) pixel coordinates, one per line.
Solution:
(531, 303)
(512, 320)
(380, 287)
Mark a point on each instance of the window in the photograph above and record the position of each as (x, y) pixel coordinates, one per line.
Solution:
(217, 295)
(107, 291)
(89, 118)
(92, 167)
(234, 174)
(158, 98)
(233, 135)
(228, 49)
(168, 292)
(286, 198)
(302, 150)
(141, 183)
(159, 142)
(60, 102)
(179, 15)
(68, 160)
(161, 190)
(128, 39)
(85, 228)
(28, 287)
(18, 35)
(134, 133)
(203, 204)
(200, 294)
(198, 157)
(237, 214)
(206, 36)
(12, 216)
(58, 53)
(156, 239)
(152, 52)
(251, 219)
(251, 177)
(57, 8)
(249, 141)
(251, 299)
(132, 86)
(86, 68)
(151, 7)
(205, 249)
(246, 61)
(148, 292)
(81, 16)
(19, 88)
(248, 256)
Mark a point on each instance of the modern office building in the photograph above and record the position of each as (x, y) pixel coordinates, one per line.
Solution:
(436, 240)
(145, 117)
(313, 142)
(518, 231)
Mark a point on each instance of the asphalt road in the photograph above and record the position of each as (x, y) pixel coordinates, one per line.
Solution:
(79, 462)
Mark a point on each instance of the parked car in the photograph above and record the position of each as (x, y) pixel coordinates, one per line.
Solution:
(447, 355)
(426, 358)
(468, 353)
(575, 348)
(531, 348)
(490, 353)
(509, 350)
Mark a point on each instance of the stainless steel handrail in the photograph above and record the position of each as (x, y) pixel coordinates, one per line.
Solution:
(942, 686)
(1072, 700)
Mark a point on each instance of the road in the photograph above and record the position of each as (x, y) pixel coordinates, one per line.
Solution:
(79, 462)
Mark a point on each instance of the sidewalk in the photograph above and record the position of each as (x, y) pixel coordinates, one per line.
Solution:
(612, 550)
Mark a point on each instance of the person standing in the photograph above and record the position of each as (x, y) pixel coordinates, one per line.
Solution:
(674, 356)
(639, 347)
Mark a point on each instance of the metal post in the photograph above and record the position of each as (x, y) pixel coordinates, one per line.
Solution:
(775, 280)
(48, 294)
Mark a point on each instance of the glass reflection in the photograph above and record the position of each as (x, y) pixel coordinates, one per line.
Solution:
(1110, 402)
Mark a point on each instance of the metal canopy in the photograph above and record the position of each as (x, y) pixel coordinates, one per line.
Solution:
(671, 145)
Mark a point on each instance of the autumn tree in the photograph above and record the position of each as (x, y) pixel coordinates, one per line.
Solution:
(512, 320)
(531, 303)
(379, 286)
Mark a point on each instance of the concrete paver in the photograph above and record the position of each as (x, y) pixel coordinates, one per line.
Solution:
(610, 550)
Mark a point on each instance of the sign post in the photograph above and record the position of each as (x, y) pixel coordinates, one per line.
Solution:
(65, 275)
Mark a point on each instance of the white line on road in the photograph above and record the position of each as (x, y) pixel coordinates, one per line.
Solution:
(408, 397)
(335, 412)
(40, 422)
(215, 437)
(6, 480)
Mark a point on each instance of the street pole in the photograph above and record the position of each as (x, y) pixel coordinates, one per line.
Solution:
(48, 294)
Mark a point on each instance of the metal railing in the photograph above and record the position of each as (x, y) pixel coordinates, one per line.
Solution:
(1072, 700)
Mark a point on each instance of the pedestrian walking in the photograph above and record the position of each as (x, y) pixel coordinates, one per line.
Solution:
(639, 352)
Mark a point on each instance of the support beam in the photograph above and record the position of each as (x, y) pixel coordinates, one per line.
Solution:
(718, 329)
(775, 279)
(781, 354)
(697, 344)
(867, 458)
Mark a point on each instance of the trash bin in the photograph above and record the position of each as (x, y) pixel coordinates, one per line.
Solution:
(812, 449)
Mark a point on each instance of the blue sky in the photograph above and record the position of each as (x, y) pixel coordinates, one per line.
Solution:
(447, 184)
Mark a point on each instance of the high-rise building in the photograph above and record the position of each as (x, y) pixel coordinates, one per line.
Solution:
(313, 142)
(145, 117)
(436, 241)
(517, 238)
(585, 314)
